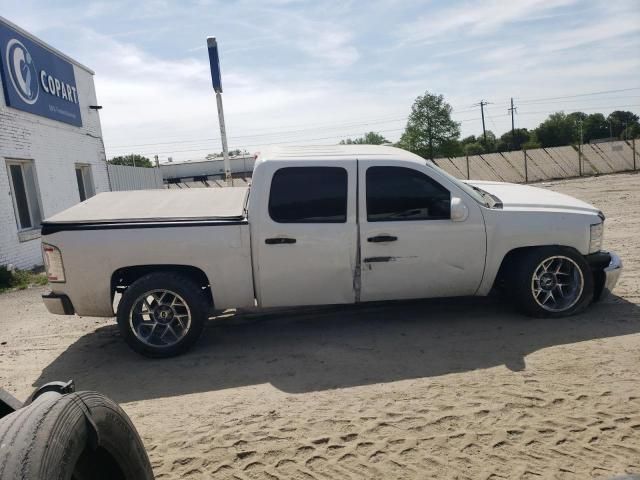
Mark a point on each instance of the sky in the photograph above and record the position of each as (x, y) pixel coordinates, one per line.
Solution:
(314, 72)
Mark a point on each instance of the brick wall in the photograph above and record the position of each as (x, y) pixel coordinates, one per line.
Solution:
(55, 148)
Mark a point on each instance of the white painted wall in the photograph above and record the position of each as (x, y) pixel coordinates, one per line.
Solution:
(55, 148)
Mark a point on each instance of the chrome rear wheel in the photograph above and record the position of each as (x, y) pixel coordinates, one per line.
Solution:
(160, 318)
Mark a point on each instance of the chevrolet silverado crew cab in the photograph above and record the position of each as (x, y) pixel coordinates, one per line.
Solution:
(319, 225)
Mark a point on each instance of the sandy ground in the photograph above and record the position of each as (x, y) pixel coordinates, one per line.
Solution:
(428, 389)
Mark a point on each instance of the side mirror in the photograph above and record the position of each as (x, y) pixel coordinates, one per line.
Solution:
(459, 211)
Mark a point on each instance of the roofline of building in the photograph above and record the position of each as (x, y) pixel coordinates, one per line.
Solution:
(44, 45)
(217, 159)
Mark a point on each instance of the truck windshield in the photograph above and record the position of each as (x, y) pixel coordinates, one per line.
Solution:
(471, 191)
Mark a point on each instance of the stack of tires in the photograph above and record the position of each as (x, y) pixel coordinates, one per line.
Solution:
(73, 436)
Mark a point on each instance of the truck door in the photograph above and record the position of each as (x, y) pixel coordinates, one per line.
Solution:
(411, 247)
(304, 239)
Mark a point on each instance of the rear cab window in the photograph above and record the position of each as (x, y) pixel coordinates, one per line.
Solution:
(309, 195)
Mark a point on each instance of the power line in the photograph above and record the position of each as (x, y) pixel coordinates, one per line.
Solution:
(328, 126)
(208, 147)
(343, 135)
(583, 109)
(562, 102)
(334, 126)
(602, 92)
(277, 133)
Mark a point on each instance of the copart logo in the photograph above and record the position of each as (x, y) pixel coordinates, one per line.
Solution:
(22, 71)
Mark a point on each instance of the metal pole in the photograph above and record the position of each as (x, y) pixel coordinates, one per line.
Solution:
(223, 134)
(634, 152)
(468, 175)
(513, 126)
(526, 170)
(484, 131)
(580, 151)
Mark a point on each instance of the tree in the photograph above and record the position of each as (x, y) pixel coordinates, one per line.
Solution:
(513, 141)
(531, 144)
(489, 144)
(369, 138)
(578, 116)
(131, 160)
(557, 130)
(594, 126)
(474, 148)
(619, 120)
(430, 131)
(632, 131)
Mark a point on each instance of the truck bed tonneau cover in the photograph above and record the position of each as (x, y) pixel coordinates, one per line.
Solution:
(157, 206)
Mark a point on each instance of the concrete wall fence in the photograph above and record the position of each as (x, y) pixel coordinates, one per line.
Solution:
(524, 166)
(123, 177)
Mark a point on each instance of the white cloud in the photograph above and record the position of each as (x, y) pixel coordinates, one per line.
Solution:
(475, 18)
(288, 64)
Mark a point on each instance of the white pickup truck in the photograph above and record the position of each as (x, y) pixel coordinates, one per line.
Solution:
(320, 225)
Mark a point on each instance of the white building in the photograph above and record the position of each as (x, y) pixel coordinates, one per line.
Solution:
(51, 150)
(189, 169)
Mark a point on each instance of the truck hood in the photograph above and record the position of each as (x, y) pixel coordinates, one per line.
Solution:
(525, 197)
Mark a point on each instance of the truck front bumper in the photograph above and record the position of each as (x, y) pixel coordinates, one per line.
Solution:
(58, 304)
(612, 272)
(606, 267)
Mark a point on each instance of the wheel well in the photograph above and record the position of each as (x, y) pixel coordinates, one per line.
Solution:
(509, 261)
(123, 277)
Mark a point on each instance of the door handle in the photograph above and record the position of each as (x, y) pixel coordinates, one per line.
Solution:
(382, 238)
(377, 259)
(279, 241)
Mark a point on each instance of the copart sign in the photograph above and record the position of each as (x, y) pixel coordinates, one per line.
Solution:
(37, 80)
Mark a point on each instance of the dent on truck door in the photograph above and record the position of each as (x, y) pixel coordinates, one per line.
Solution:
(410, 246)
(306, 241)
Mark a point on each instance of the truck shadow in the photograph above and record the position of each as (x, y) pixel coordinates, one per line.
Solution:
(307, 350)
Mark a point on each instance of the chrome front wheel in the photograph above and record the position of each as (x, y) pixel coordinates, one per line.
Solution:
(557, 283)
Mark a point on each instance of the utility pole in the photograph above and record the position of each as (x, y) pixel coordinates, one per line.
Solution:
(580, 149)
(484, 130)
(513, 127)
(610, 132)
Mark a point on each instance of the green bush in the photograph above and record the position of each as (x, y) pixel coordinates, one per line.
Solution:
(5, 277)
(20, 279)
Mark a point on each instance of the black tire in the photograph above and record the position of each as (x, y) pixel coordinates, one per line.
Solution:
(193, 297)
(521, 278)
(78, 436)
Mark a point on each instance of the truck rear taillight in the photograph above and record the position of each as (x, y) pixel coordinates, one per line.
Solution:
(53, 263)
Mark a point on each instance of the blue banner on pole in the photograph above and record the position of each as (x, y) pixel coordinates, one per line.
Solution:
(36, 80)
(214, 62)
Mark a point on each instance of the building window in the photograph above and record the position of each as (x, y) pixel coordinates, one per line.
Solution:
(24, 191)
(85, 182)
(309, 195)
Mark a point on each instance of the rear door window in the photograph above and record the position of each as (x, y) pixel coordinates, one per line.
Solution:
(309, 195)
